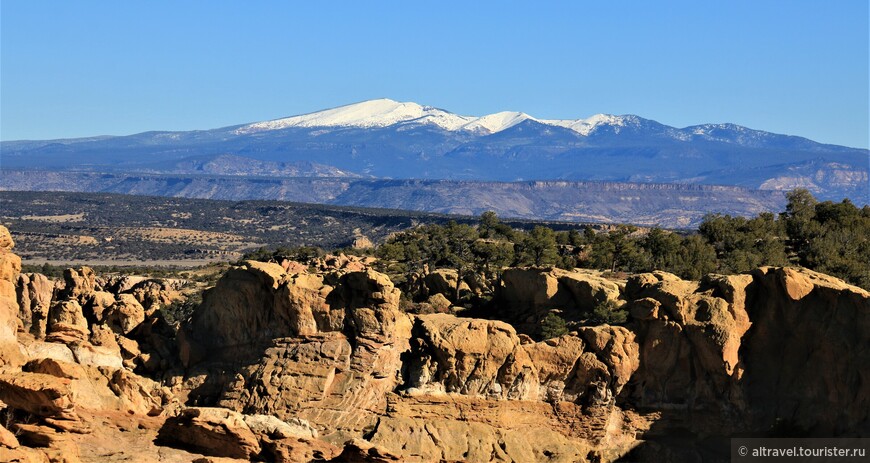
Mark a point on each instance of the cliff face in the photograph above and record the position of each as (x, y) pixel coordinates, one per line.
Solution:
(291, 364)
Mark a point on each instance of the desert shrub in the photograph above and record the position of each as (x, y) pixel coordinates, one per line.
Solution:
(608, 312)
(553, 326)
(180, 310)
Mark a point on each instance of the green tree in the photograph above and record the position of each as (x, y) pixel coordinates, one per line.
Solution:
(491, 227)
(618, 250)
(800, 223)
(538, 247)
(460, 239)
(553, 326)
(663, 249)
(695, 259)
(608, 312)
(840, 243)
(491, 256)
(487, 224)
(743, 244)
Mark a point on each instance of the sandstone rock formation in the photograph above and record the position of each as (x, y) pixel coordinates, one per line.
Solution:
(526, 295)
(422, 286)
(10, 266)
(35, 293)
(295, 363)
(360, 363)
(806, 365)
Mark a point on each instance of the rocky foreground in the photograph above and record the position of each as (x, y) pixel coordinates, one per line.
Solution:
(295, 364)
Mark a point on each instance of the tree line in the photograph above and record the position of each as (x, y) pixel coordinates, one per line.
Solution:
(825, 236)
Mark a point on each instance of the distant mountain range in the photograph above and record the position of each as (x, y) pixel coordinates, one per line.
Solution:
(669, 205)
(385, 139)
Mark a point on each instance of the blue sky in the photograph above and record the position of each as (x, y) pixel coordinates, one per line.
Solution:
(71, 69)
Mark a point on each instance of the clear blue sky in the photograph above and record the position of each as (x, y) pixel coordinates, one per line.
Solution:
(74, 69)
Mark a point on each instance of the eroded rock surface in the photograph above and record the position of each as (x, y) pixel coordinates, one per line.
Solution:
(526, 295)
(10, 267)
(297, 363)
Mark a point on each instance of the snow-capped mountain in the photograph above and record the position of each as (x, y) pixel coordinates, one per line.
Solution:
(388, 139)
(373, 113)
(385, 112)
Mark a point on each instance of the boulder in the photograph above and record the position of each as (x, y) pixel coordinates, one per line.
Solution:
(238, 311)
(152, 345)
(79, 283)
(97, 304)
(325, 379)
(530, 289)
(323, 353)
(485, 358)
(67, 323)
(342, 263)
(6, 242)
(35, 293)
(102, 335)
(211, 431)
(615, 347)
(556, 361)
(365, 289)
(301, 306)
(123, 283)
(526, 295)
(468, 356)
(10, 266)
(589, 288)
(7, 439)
(125, 314)
(689, 326)
(443, 281)
(153, 294)
(439, 302)
(39, 394)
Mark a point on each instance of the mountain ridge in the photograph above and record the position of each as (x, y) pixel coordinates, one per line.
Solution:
(387, 139)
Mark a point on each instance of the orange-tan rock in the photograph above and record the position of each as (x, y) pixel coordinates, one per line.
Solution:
(303, 363)
(35, 293)
(10, 267)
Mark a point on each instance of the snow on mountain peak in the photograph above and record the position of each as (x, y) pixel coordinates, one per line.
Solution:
(372, 113)
(586, 126)
(496, 122)
(385, 112)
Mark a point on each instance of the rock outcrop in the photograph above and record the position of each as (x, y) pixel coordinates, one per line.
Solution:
(805, 358)
(691, 334)
(35, 293)
(485, 358)
(360, 363)
(776, 351)
(58, 366)
(293, 363)
(526, 295)
(10, 267)
(327, 354)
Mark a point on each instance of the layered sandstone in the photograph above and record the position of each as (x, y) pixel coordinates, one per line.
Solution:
(299, 363)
